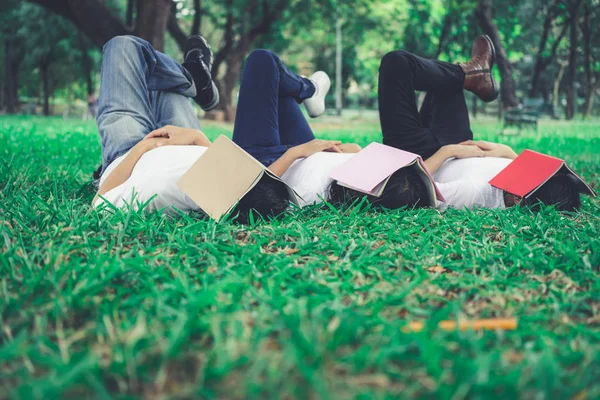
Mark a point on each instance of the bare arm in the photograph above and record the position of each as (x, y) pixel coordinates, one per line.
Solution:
(123, 171)
(174, 135)
(165, 136)
(434, 162)
(493, 149)
(301, 151)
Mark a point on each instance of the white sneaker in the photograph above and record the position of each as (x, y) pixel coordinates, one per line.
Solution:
(315, 105)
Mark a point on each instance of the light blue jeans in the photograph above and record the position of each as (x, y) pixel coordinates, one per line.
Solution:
(141, 90)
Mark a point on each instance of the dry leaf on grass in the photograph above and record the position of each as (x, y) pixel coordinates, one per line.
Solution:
(376, 380)
(377, 244)
(437, 269)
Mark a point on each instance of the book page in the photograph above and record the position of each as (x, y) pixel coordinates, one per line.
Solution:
(526, 173)
(582, 187)
(377, 190)
(371, 166)
(220, 177)
(429, 185)
(292, 195)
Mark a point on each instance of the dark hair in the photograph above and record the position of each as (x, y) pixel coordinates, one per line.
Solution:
(561, 191)
(405, 188)
(268, 198)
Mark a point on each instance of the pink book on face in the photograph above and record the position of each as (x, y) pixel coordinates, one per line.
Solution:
(370, 170)
(530, 170)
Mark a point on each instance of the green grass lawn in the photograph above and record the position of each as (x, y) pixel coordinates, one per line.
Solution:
(311, 306)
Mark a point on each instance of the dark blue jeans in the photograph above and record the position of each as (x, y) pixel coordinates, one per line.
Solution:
(268, 120)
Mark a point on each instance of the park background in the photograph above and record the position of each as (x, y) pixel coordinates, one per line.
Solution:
(549, 49)
(314, 305)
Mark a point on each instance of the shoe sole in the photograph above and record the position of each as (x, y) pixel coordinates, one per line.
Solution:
(187, 49)
(494, 83)
(326, 91)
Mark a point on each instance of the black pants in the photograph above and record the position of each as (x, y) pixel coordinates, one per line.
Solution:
(444, 117)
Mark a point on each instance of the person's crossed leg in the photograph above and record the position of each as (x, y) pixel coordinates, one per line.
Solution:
(144, 104)
(444, 117)
(271, 127)
(268, 120)
(141, 90)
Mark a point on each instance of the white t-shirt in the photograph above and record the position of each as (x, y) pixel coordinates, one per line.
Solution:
(156, 173)
(481, 169)
(464, 182)
(309, 176)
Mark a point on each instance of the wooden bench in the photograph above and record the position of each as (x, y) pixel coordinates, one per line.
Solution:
(527, 114)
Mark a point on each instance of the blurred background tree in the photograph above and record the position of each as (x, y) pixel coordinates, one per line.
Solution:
(51, 49)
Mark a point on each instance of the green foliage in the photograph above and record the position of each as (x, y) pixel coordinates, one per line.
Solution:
(304, 35)
(45, 38)
(312, 306)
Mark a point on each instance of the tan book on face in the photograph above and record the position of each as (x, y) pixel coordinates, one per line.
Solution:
(222, 176)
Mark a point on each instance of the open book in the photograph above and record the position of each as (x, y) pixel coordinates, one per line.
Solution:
(530, 171)
(222, 176)
(370, 170)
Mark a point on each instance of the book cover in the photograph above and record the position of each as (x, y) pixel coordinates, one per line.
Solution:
(529, 171)
(370, 169)
(222, 176)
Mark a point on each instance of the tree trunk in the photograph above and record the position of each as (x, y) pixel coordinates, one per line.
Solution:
(92, 17)
(589, 100)
(12, 61)
(197, 23)
(338, 66)
(175, 30)
(540, 62)
(86, 64)
(235, 50)
(151, 21)
(45, 77)
(559, 77)
(590, 85)
(229, 82)
(574, 17)
(444, 32)
(508, 86)
(129, 14)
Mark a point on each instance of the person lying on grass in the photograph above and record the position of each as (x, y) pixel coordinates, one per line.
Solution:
(271, 127)
(151, 136)
(149, 131)
(440, 125)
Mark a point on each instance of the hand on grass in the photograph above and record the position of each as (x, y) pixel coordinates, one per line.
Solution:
(315, 146)
(174, 135)
(492, 149)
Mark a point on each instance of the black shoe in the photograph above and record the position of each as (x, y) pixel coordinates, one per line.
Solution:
(198, 62)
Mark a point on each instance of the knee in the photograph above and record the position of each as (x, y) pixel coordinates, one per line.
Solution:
(260, 56)
(123, 44)
(398, 60)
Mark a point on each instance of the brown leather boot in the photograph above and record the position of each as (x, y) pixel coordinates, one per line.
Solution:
(478, 71)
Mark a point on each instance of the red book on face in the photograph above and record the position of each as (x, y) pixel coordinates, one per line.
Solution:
(530, 170)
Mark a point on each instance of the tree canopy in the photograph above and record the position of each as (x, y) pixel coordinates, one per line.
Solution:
(548, 49)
